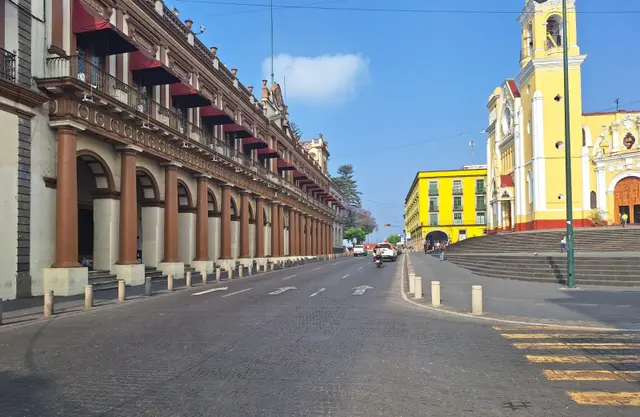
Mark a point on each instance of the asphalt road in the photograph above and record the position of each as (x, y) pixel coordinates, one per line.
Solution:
(317, 349)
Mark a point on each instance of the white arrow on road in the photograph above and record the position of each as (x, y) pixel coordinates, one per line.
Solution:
(317, 292)
(281, 290)
(361, 289)
(211, 290)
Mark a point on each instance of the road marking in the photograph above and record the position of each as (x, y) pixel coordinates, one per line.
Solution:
(334, 264)
(574, 359)
(292, 276)
(591, 375)
(345, 276)
(281, 290)
(359, 268)
(211, 290)
(606, 398)
(624, 336)
(577, 345)
(547, 327)
(237, 292)
(361, 289)
(317, 292)
(317, 269)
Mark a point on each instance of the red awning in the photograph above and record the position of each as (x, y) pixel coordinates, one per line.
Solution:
(297, 175)
(186, 96)
(96, 32)
(219, 116)
(239, 131)
(506, 181)
(268, 153)
(253, 143)
(149, 70)
(284, 165)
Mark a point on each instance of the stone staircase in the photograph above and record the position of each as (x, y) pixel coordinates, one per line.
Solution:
(102, 280)
(535, 256)
(154, 273)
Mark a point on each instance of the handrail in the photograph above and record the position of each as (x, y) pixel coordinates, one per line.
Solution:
(7, 65)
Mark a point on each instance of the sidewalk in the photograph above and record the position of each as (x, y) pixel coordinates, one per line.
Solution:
(520, 300)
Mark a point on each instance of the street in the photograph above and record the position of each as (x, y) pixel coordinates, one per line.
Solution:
(330, 338)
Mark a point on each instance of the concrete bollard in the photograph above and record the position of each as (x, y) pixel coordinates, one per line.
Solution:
(205, 278)
(0, 311)
(121, 291)
(188, 280)
(435, 293)
(476, 300)
(170, 283)
(250, 270)
(218, 272)
(240, 271)
(48, 304)
(273, 266)
(412, 283)
(147, 286)
(418, 287)
(88, 297)
(230, 273)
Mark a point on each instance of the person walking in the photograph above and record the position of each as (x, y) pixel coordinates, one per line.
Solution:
(624, 218)
(563, 244)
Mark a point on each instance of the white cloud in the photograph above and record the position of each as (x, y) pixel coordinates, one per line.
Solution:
(320, 79)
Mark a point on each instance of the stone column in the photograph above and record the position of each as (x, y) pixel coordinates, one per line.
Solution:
(244, 225)
(66, 276)
(275, 239)
(307, 226)
(300, 220)
(293, 248)
(202, 261)
(281, 229)
(260, 227)
(225, 223)
(314, 235)
(171, 262)
(127, 267)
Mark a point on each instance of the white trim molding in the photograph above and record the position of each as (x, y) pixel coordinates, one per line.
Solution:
(620, 177)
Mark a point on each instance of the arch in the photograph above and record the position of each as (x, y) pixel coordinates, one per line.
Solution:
(147, 185)
(593, 200)
(234, 208)
(184, 196)
(436, 236)
(587, 139)
(212, 203)
(620, 177)
(266, 218)
(554, 35)
(100, 169)
(252, 218)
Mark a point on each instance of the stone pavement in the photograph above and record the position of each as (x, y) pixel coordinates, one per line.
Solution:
(520, 300)
(297, 342)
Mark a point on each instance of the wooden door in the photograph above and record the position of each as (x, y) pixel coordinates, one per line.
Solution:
(627, 194)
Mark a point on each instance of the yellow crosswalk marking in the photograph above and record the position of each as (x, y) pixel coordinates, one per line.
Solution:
(591, 375)
(577, 345)
(550, 327)
(606, 398)
(620, 336)
(573, 359)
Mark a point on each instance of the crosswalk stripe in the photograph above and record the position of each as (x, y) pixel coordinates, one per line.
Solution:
(620, 336)
(604, 346)
(574, 359)
(591, 375)
(606, 398)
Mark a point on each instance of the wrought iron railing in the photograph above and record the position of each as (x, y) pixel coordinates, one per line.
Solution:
(433, 191)
(7, 65)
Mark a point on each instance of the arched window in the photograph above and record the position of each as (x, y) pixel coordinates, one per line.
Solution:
(530, 187)
(554, 32)
(584, 137)
(593, 200)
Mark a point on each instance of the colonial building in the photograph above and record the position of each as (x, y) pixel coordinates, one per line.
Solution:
(444, 206)
(129, 144)
(526, 149)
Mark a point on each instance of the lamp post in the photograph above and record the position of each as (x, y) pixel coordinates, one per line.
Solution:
(571, 280)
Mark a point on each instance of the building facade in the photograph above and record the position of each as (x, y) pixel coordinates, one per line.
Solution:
(128, 144)
(444, 206)
(526, 149)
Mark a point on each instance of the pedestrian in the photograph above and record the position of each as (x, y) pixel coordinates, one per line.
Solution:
(139, 248)
(623, 219)
(563, 244)
(426, 246)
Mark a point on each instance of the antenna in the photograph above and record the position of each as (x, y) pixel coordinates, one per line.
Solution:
(271, 10)
(472, 145)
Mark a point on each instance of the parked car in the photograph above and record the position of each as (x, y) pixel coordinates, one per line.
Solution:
(359, 250)
(388, 251)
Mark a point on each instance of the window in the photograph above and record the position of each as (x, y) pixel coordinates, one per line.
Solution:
(480, 186)
(480, 203)
(457, 203)
(457, 218)
(433, 219)
(530, 187)
(433, 187)
(554, 32)
(593, 200)
(481, 218)
(457, 187)
(433, 204)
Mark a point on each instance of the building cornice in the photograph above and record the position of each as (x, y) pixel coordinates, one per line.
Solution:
(544, 63)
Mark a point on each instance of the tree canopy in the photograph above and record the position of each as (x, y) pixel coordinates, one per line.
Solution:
(295, 131)
(394, 239)
(348, 185)
(355, 233)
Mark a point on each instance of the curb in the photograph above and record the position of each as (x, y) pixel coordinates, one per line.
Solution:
(498, 320)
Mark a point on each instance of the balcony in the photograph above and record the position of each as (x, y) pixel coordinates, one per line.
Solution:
(7, 65)
(457, 207)
(434, 208)
(433, 191)
(457, 191)
(480, 190)
(481, 206)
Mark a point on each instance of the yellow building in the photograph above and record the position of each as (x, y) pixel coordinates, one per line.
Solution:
(525, 148)
(446, 205)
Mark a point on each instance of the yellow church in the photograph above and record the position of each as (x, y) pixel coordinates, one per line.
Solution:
(525, 147)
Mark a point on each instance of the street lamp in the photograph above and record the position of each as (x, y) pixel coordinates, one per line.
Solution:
(571, 280)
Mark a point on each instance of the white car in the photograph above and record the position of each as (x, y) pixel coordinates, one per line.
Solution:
(359, 250)
(387, 251)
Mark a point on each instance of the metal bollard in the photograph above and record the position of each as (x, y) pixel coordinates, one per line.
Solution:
(48, 304)
(435, 293)
(147, 286)
(170, 283)
(412, 283)
(218, 274)
(88, 297)
(188, 280)
(476, 300)
(418, 287)
(121, 291)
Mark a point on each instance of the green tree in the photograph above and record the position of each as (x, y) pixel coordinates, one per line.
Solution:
(394, 239)
(355, 233)
(348, 185)
(295, 131)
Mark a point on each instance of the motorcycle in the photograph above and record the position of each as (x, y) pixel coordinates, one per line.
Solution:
(377, 259)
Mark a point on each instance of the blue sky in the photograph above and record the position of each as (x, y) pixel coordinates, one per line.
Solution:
(395, 93)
